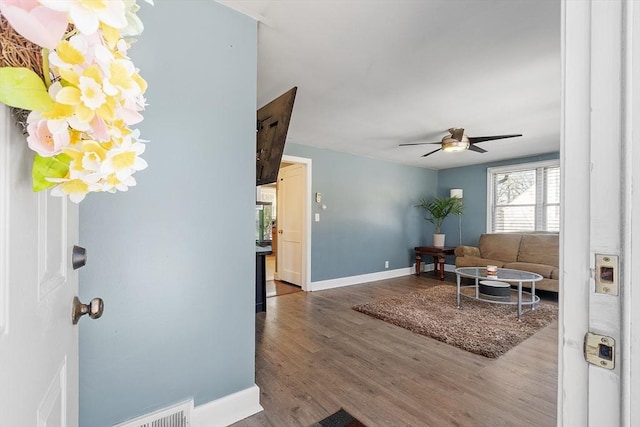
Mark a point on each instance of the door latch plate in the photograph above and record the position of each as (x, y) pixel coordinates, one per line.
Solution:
(599, 350)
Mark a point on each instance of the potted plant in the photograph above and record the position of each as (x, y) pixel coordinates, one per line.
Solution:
(437, 210)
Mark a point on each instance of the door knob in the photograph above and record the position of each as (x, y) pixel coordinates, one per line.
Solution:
(78, 257)
(93, 309)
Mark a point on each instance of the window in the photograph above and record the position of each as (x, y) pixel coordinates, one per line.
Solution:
(524, 197)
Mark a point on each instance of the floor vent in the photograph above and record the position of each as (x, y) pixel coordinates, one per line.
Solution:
(174, 416)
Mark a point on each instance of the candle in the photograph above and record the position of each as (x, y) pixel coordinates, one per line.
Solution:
(492, 270)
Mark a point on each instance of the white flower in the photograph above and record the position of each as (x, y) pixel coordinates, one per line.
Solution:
(87, 15)
(112, 183)
(134, 24)
(75, 52)
(92, 95)
(124, 160)
(75, 187)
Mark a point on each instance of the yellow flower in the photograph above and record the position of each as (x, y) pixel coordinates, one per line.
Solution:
(69, 54)
(76, 188)
(124, 160)
(87, 158)
(87, 97)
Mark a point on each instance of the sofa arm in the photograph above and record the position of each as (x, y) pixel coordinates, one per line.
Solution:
(467, 251)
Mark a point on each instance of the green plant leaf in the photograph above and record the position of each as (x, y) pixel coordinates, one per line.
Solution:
(23, 88)
(48, 167)
(440, 208)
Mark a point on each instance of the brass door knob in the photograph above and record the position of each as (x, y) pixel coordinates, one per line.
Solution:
(94, 309)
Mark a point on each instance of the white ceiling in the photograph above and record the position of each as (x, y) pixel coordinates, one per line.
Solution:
(372, 74)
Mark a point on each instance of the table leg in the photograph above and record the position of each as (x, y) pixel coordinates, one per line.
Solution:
(418, 261)
(519, 300)
(458, 288)
(533, 295)
(435, 265)
(441, 264)
(477, 288)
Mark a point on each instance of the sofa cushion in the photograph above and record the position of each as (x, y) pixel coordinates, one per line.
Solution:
(474, 261)
(467, 251)
(541, 269)
(555, 273)
(539, 249)
(501, 246)
(544, 285)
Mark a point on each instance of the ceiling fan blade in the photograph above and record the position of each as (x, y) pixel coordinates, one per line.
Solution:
(428, 154)
(419, 143)
(476, 149)
(476, 139)
(457, 133)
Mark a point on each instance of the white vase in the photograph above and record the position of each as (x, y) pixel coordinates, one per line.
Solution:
(438, 240)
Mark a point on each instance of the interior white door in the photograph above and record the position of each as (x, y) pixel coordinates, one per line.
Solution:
(291, 184)
(38, 343)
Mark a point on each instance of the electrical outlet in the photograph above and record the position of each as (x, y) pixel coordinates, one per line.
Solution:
(386, 264)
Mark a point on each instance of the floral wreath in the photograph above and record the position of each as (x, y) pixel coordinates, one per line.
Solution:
(65, 62)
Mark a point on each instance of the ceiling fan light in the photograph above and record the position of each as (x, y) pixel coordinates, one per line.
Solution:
(451, 145)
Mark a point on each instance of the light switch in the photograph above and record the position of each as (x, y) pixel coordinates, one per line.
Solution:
(317, 217)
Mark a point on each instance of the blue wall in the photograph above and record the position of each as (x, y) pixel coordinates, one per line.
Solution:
(370, 216)
(473, 180)
(173, 257)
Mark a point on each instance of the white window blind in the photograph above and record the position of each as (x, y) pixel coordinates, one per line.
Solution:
(524, 197)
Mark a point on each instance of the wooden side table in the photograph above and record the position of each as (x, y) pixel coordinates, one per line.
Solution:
(438, 253)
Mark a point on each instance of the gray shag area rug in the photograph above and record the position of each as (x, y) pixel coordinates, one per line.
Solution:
(479, 327)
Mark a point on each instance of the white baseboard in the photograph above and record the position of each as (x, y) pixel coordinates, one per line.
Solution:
(362, 278)
(372, 277)
(228, 409)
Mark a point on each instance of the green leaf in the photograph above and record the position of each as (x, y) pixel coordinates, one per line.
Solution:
(48, 167)
(23, 88)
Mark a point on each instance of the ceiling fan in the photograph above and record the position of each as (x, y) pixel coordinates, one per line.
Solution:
(456, 140)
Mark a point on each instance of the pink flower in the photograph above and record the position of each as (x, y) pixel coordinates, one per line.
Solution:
(38, 24)
(41, 139)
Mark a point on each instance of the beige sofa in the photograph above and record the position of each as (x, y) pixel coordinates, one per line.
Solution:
(537, 253)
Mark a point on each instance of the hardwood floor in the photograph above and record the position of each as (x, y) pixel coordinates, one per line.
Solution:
(314, 355)
(276, 288)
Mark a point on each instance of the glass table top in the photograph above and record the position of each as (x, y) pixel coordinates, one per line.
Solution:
(504, 274)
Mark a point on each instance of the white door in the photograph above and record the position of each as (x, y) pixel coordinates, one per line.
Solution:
(38, 343)
(290, 219)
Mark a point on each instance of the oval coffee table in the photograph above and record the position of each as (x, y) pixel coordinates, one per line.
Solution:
(504, 275)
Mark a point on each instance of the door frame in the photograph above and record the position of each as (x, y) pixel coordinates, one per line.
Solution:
(600, 106)
(306, 223)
